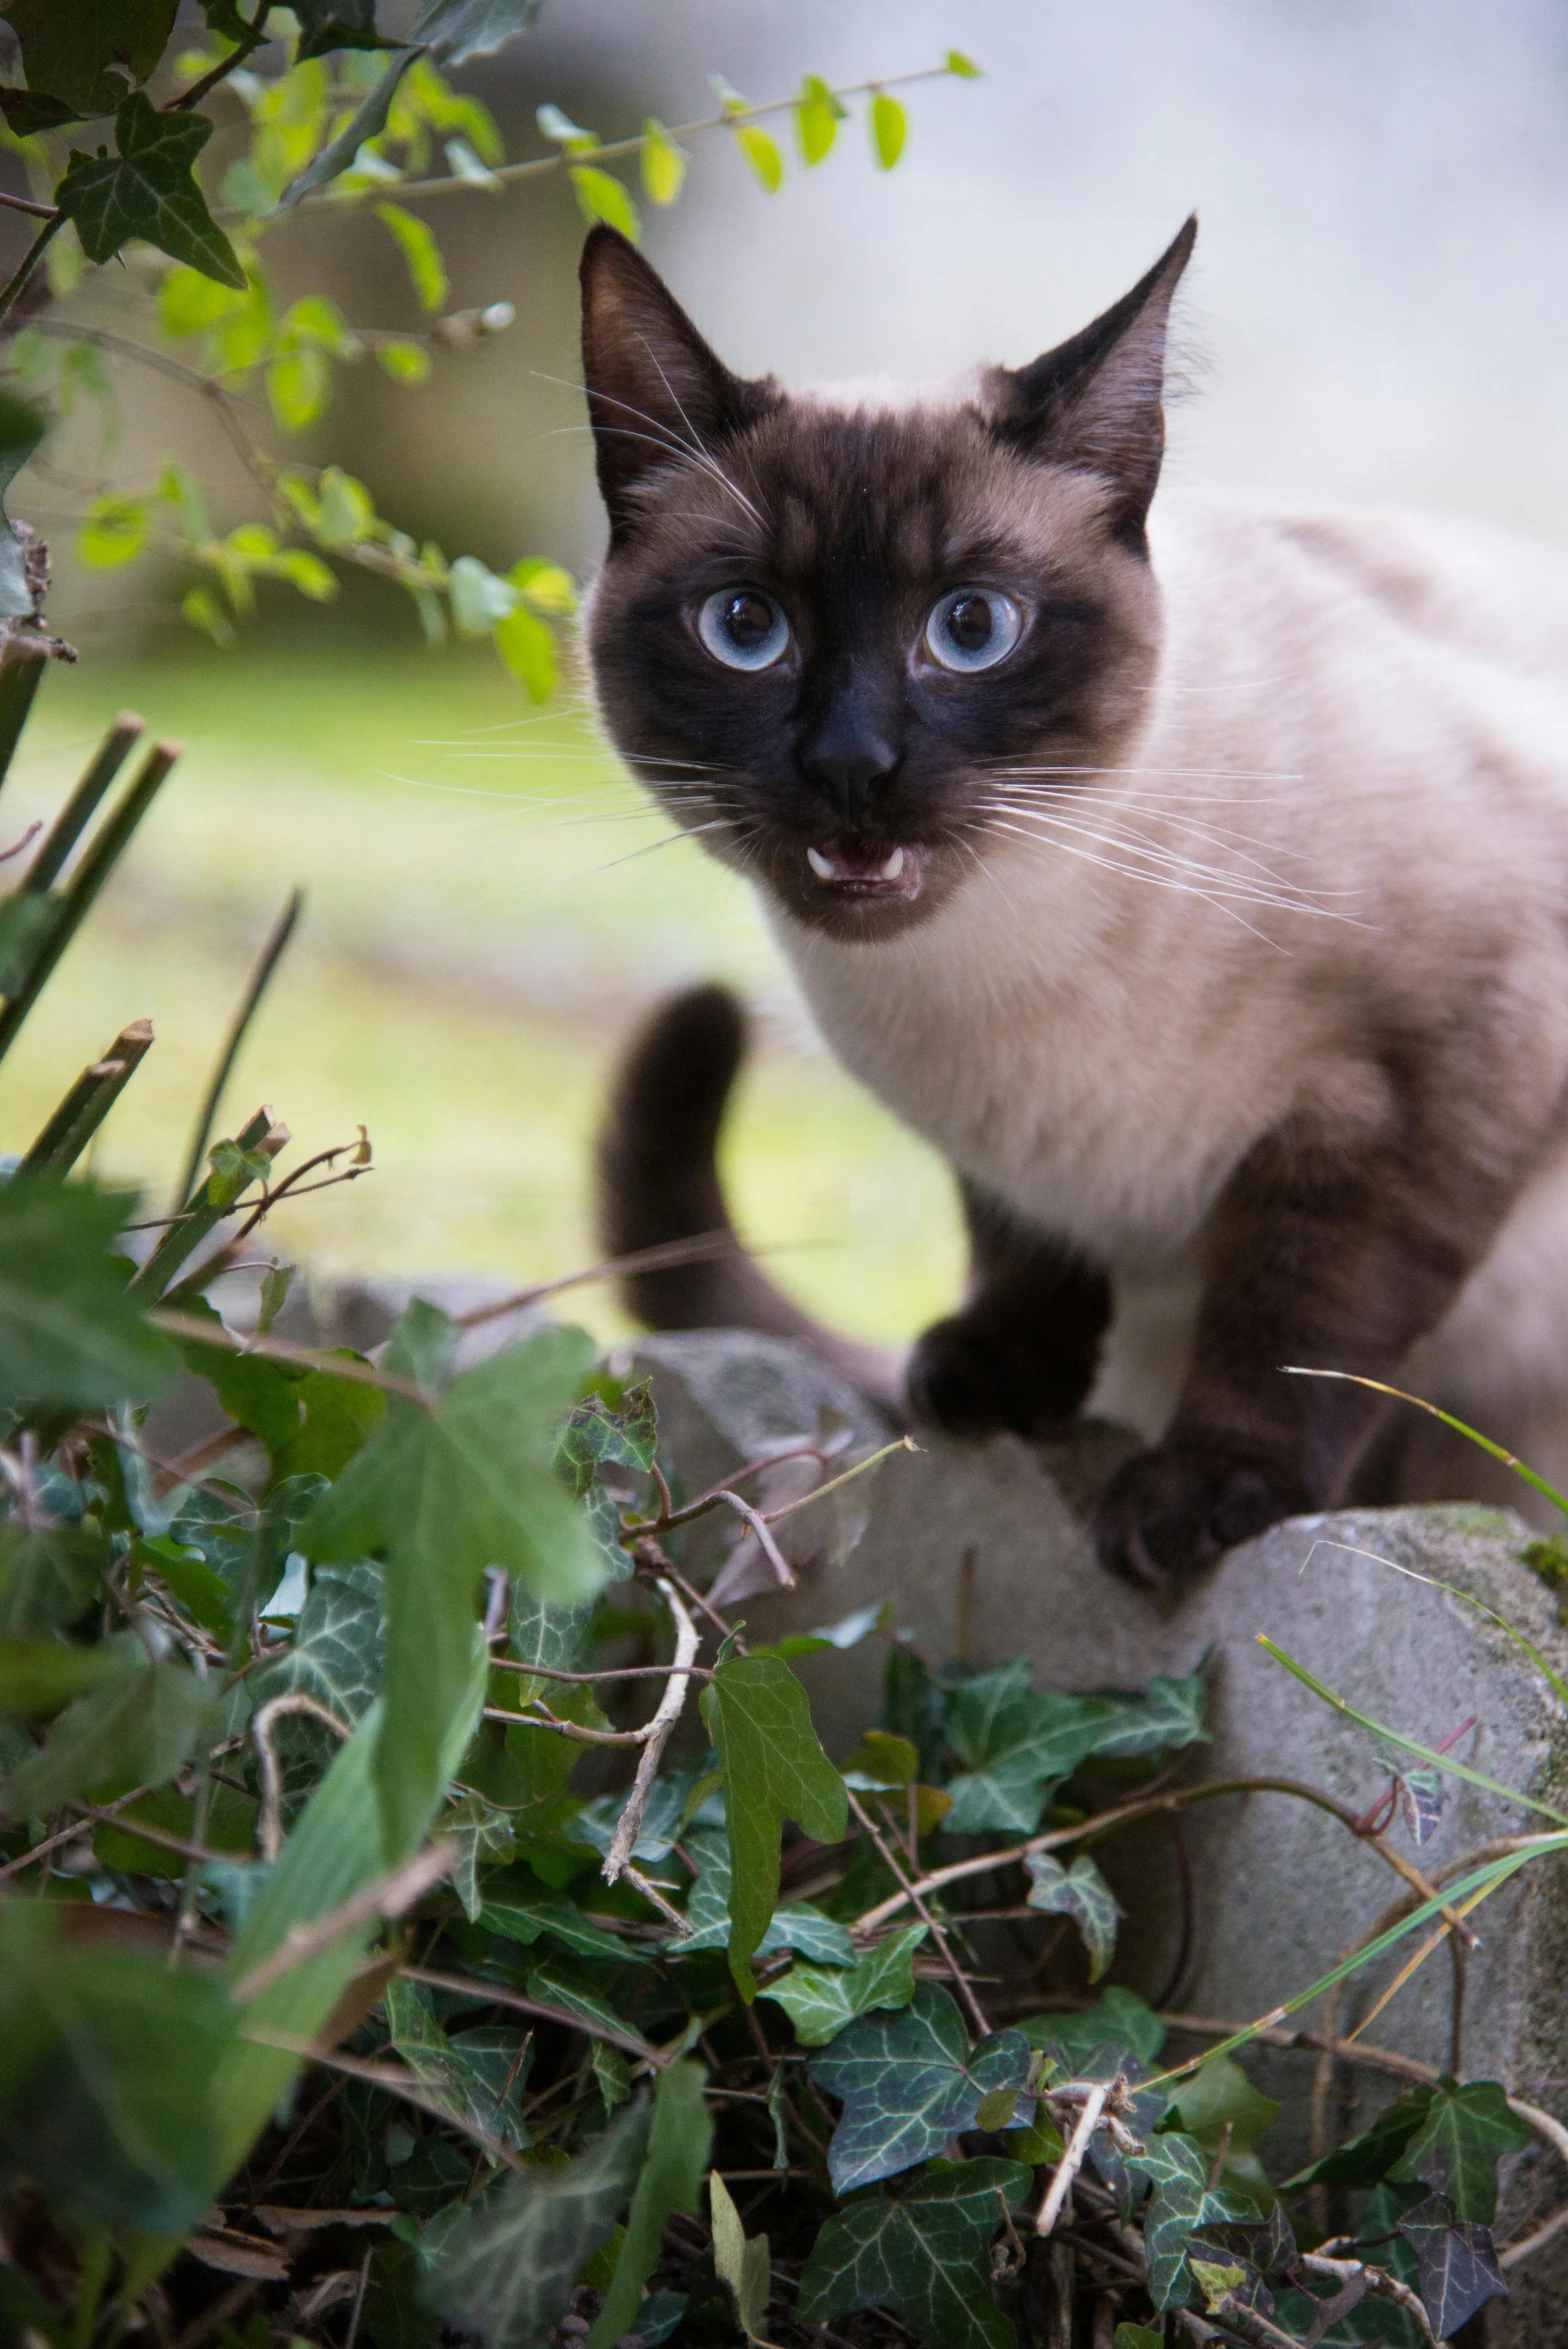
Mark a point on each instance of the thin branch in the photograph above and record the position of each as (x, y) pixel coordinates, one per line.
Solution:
(914, 1895)
(397, 2081)
(255, 37)
(363, 1374)
(260, 978)
(389, 1896)
(26, 204)
(1072, 2160)
(267, 1757)
(17, 283)
(655, 1737)
(665, 1256)
(76, 1829)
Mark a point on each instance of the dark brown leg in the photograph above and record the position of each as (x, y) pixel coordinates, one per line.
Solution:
(1022, 1353)
(1319, 1257)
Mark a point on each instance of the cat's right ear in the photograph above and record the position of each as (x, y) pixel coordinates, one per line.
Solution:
(656, 392)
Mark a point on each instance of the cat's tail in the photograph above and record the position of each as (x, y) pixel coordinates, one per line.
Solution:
(659, 1183)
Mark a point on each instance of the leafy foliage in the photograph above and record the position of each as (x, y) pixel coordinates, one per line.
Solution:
(922, 2253)
(908, 2084)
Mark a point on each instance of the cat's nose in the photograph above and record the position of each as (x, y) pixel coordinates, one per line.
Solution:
(850, 760)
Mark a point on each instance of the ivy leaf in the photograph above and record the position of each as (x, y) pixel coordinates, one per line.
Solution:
(336, 1657)
(455, 29)
(908, 2083)
(1457, 2145)
(88, 54)
(135, 1729)
(741, 2264)
(596, 1437)
(922, 2254)
(446, 1493)
(1019, 1742)
(481, 1832)
(799, 1927)
(68, 1334)
(338, 1415)
(22, 427)
(325, 25)
(772, 1768)
(48, 1577)
(820, 2001)
(1178, 2169)
(148, 191)
(1079, 1892)
(443, 2069)
(1119, 2019)
(1219, 2105)
(505, 2265)
(368, 123)
(1368, 2159)
(523, 1916)
(40, 1675)
(1457, 2270)
(679, 2137)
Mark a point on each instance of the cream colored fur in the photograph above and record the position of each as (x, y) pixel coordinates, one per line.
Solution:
(1363, 719)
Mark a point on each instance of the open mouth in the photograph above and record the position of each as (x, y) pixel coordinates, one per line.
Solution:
(853, 867)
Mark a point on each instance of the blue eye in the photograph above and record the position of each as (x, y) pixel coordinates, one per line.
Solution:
(743, 628)
(973, 628)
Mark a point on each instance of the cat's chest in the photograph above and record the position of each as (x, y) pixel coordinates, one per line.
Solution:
(1092, 1094)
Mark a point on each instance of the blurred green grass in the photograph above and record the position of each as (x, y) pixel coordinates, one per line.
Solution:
(487, 916)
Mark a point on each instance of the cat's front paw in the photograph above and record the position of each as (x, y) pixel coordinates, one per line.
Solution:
(1169, 1513)
(971, 1376)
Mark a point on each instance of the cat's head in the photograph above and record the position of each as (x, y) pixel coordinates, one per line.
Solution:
(843, 635)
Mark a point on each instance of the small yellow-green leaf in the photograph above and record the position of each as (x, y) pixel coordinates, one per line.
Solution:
(528, 649)
(818, 114)
(762, 153)
(548, 586)
(308, 573)
(297, 385)
(663, 163)
(889, 128)
(964, 67)
(600, 196)
(188, 301)
(313, 319)
(114, 532)
(404, 362)
(346, 512)
(177, 489)
(420, 250)
(203, 610)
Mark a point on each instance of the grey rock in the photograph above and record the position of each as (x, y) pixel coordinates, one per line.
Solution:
(984, 1551)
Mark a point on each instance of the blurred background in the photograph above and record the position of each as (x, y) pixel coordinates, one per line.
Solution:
(1377, 314)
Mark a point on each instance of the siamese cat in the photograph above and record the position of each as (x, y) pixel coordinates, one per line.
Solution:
(1196, 881)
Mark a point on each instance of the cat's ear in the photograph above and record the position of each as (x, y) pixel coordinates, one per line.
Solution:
(1095, 402)
(656, 392)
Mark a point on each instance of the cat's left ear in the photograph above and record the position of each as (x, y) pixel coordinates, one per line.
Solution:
(656, 392)
(1095, 403)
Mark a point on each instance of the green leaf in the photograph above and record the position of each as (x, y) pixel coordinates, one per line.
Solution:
(818, 113)
(148, 191)
(368, 123)
(1019, 1743)
(889, 129)
(908, 2083)
(455, 29)
(1368, 2159)
(772, 1768)
(967, 71)
(741, 2265)
(135, 1729)
(298, 383)
(336, 1657)
(523, 1916)
(108, 2081)
(596, 1437)
(261, 1395)
(1456, 2264)
(29, 923)
(447, 1493)
(417, 241)
(40, 1675)
(22, 427)
(800, 1926)
(200, 1591)
(528, 649)
(114, 532)
(405, 362)
(663, 163)
(670, 2180)
(339, 1414)
(1221, 2097)
(1178, 2168)
(1136, 2336)
(49, 1576)
(1079, 1892)
(1458, 2143)
(820, 2000)
(922, 2254)
(762, 153)
(508, 2263)
(325, 25)
(89, 53)
(601, 196)
(442, 2069)
(189, 302)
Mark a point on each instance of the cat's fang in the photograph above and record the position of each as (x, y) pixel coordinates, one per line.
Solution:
(823, 866)
(893, 866)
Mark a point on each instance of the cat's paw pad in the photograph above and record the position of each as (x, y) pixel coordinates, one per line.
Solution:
(1169, 1513)
(965, 1377)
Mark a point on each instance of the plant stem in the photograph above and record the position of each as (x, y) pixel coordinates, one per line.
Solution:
(21, 673)
(15, 285)
(89, 1101)
(260, 979)
(254, 39)
(79, 809)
